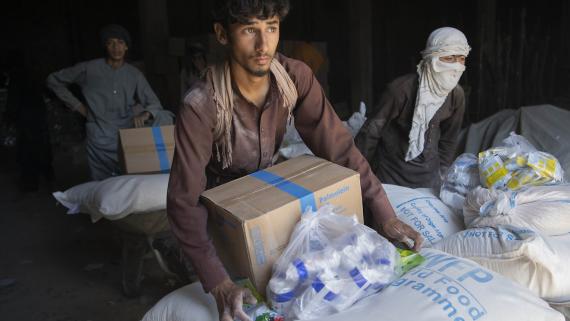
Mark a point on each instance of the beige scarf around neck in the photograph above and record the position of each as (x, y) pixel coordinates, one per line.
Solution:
(223, 97)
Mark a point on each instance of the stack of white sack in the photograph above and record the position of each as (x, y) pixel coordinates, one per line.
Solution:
(331, 262)
(116, 197)
(518, 164)
(460, 178)
(444, 287)
(294, 146)
(544, 209)
(423, 212)
(537, 262)
(514, 165)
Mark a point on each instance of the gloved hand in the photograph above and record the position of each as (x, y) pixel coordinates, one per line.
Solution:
(230, 298)
(397, 230)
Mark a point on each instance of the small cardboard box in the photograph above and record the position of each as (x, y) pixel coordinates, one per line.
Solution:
(146, 150)
(252, 218)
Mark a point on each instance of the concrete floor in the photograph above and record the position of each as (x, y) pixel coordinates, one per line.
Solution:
(58, 267)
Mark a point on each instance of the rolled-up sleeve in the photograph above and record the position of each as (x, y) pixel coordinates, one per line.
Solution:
(188, 217)
(325, 135)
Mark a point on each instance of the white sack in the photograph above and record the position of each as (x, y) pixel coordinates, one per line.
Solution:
(564, 309)
(545, 209)
(116, 197)
(188, 303)
(442, 288)
(446, 287)
(423, 212)
(522, 255)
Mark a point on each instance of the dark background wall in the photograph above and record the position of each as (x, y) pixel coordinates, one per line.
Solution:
(401, 29)
(56, 34)
(519, 57)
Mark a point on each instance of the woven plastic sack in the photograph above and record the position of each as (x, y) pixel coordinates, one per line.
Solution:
(116, 197)
(539, 263)
(545, 209)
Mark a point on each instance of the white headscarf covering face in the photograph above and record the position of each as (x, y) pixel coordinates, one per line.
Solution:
(436, 80)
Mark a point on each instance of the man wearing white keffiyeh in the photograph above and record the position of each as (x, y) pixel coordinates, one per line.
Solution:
(429, 107)
(442, 65)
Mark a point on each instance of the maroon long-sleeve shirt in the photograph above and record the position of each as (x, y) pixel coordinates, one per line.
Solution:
(257, 134)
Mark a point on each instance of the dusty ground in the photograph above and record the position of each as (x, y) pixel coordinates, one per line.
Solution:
(58, 267)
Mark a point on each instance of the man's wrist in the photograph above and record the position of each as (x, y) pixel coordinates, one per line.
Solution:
(218, 287)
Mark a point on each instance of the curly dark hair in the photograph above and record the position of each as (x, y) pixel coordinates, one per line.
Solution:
(240, 11)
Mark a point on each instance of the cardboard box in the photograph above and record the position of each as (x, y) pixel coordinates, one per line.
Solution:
(146, 150)
(252, 218)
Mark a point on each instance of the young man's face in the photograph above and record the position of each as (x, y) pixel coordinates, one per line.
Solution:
(253, 45)
(116, 48)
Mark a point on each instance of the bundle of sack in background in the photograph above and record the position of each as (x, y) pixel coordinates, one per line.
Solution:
(517, 164)
(331, 262)
(513, 166)
(518, 220)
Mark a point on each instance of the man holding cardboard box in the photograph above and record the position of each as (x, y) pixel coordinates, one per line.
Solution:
(112, 88)
(232, 123)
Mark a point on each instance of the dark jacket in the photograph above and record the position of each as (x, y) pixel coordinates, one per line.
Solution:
(384, 138)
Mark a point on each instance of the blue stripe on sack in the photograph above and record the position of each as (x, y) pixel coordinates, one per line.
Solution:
(304, 195)
(357, 277)
(160, 150)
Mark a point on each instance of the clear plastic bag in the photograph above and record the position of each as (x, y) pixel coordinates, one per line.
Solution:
(461, 177)
(331, 262)
(518, 164)
(357, 120)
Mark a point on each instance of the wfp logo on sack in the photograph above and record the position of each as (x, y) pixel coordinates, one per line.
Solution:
(445, 281)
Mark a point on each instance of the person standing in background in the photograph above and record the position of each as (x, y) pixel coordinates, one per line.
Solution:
(113, 90)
